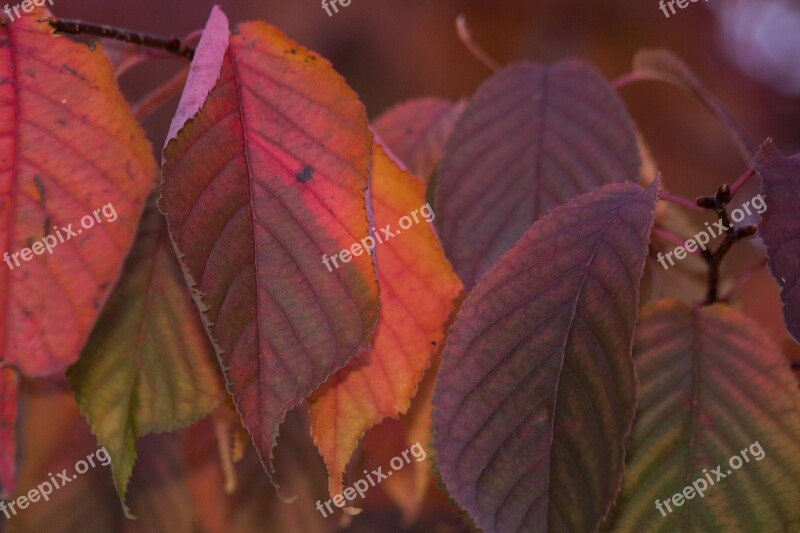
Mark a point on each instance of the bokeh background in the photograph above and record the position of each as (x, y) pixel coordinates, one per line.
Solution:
(746, 52)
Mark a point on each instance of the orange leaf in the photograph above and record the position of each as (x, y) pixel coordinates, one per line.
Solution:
(408, 487)
(418, 287)
(69, 147)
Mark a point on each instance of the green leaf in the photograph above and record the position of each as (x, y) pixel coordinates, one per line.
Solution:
(148, 366)
(712, 384)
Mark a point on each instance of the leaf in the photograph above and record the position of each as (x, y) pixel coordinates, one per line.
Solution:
(88, 503)
(148, 366)
(663, 65)
(69, 148)
(417, 291)
(531, 138)
(204, 71)
(253, 505)
(408, 487)
(417, 130)
(537, 389)
(712, 383)
(9, 393)
(780, 226)
(267, 178)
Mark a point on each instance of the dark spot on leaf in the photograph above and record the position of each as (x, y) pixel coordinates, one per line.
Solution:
(37, 180)
(305, 175)
(433, 343)
(291, 51)
(73, 72)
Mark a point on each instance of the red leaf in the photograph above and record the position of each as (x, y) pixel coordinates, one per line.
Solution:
(69, 146)
(9, 390)
(780, 226)
(531, 138)
(417, 130)
(536, 391)
(264, 180)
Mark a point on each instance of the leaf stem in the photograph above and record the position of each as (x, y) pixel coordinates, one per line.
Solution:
(741, 180)
(160, 95)
(671, 237)
(741, 140)
(626, 79)
(746, 276)
(76, 27)
(680, 200)
(465, 36)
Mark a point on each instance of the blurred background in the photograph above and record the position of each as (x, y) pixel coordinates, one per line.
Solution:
(746, 53)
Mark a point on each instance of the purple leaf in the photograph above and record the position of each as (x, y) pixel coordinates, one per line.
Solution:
(531, 138)
(537, 389)
(780, 226)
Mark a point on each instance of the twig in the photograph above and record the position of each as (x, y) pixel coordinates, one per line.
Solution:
(77, 27)
(746, 276)
(466, 38)
(160, 95)
(718, 203)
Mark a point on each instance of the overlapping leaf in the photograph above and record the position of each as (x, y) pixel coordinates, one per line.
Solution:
(253, 505)
(712, 384)
(266, 179)
(417, 130)
(68, 146)
(663, 65)
(780, 226)
(536, 391)
(531, 138)
(418, 287)
(409, 487)
(158, 494)
(9, 390)
(148, 366)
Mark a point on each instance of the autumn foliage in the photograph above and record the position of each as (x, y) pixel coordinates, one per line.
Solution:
(523, 335)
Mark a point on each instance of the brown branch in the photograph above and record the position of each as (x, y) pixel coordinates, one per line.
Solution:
(76, 27)
(718, 203)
